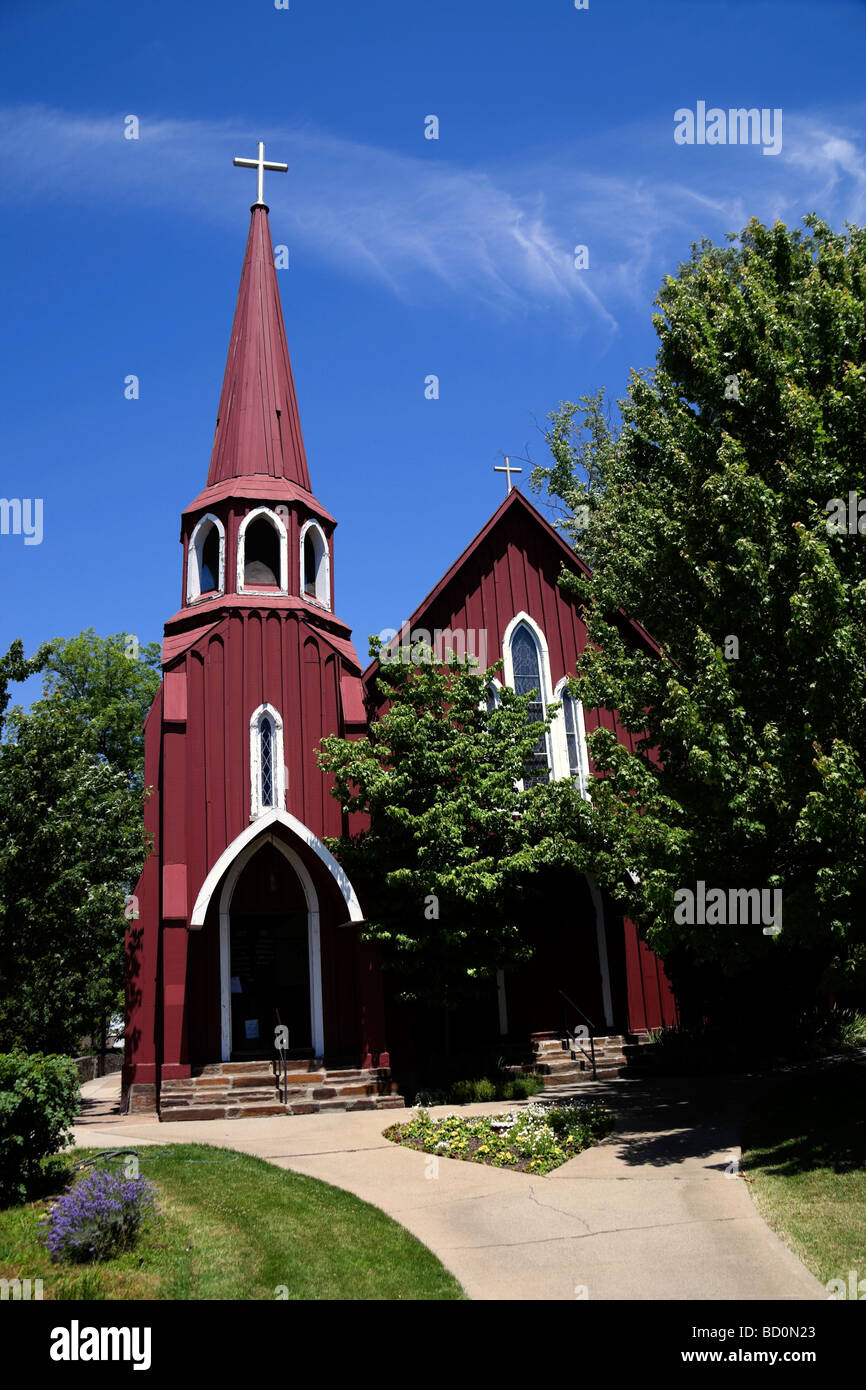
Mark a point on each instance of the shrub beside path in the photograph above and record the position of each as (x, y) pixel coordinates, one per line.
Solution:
(650, 1213)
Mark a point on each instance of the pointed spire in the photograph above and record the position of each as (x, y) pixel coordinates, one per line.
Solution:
(258, 427)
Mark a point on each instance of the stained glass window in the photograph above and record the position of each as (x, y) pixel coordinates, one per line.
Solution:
(527, 680)
(572, 738)
(267, 760)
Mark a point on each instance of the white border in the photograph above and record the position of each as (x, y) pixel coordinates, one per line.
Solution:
(601, 938)
(323, 567)
(193, 560)
(260, 826)
(494, 685)
(277, 523)
(277, 761)
(313, 941)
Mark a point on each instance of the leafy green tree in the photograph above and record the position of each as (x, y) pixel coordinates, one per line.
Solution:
(107, 684)
(708, 516)
(15, 667)
(71, 841)
(451, 841)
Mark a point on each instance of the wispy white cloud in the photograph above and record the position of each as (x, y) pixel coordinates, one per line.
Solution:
(502, 234)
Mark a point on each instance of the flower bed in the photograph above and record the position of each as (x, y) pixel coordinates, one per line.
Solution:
(536, 1139)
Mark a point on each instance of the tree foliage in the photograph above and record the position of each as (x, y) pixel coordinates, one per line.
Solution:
(107, 684)
(71, 841)
(451, 840)
(706, 520)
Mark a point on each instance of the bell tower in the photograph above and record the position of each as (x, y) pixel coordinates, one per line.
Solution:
(245, 919)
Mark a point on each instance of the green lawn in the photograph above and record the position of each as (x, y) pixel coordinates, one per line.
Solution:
(805, 1152)
(235, 1227)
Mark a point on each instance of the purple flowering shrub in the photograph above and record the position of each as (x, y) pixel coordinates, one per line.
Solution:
(98, 1216)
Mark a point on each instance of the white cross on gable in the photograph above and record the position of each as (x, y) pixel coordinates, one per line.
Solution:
(508, 470)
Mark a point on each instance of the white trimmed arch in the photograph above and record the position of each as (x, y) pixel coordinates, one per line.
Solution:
(494, 689)
(321, 577)
(283, 538)
(195, 557)
(252, 832)
(313, 939)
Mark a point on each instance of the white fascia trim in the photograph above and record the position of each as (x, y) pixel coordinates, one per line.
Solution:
(601, 938)
(193, 560)
(277, 759)
(258, 827)
(283, 534)
(323, 567)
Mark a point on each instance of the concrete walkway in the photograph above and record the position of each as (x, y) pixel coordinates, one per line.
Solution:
(651, 1213)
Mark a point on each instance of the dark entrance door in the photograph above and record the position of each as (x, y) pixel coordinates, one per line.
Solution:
(270, 982)
(564, 973)
(269, 962)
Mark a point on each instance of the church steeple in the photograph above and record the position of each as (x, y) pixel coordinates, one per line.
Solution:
(256, 536)
(258, 426)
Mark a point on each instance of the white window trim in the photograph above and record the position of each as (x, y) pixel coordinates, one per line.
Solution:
(561, 741)
(546, 692)
(193, 560)
(277, 523)
(495, 685)
(323, 569)
(277, 758)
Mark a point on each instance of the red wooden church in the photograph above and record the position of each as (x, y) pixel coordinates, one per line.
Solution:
(246, 934)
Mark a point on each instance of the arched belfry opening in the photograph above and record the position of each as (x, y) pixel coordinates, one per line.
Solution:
(309, 564)
(261, 555)
(269, 967)
(210, 561)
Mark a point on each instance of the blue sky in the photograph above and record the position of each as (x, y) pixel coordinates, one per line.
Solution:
(409, 256)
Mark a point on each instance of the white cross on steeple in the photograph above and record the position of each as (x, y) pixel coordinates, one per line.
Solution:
(261, 164)
(497, 468)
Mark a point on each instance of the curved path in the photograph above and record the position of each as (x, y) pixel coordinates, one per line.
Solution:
(657, 1211)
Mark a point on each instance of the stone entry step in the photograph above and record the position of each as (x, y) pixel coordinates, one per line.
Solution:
(242, 1090)
(558, 1060)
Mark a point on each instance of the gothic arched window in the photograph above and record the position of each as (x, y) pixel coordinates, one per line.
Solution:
(267, 775)
(527, 663)
(575, 736)
(210, 559)
(266, 760)
(206, 560)
(315, 564)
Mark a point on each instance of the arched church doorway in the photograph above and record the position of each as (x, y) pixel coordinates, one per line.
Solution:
(269, 957)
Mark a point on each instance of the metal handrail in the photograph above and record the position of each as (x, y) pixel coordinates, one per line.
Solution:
(588, 1020)
(283, 1066)
(577, 1009)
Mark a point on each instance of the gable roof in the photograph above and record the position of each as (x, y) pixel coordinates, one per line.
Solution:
(512, 504)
